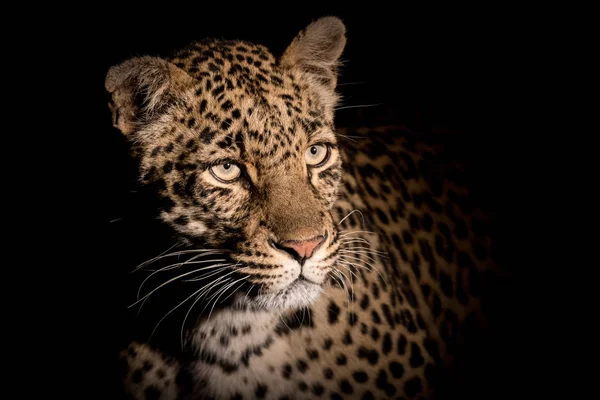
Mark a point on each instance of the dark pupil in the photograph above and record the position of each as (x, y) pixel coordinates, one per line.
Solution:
(313, 150)
(226, 165)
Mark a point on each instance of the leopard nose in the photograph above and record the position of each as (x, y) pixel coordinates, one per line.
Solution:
(301, 250)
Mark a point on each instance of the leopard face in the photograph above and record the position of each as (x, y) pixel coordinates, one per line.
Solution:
(239, 147)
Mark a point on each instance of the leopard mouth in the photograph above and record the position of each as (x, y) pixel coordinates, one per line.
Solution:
(300, 279)
(301, 283)
(299, 293)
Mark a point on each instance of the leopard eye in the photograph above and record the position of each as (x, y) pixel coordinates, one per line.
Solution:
(316, 155)
(226, 172)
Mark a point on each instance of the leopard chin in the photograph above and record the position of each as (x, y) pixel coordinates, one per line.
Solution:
(298, 294)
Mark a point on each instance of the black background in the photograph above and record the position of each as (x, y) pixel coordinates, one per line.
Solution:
(442, 70)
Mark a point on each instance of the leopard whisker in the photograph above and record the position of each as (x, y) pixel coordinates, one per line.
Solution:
(177, 253)
(347, 233)
(351, 298)
(217, 299)
(286, 325)
(181, 264)
(198, 297)
(234, 291)
(357, 106)
(155, 258)
(364, 253)
(350, 213)
(350, 83)
(353, 246)
(346, 257)
(173, 266)
(351, 138)
(342, 278)
(166, 283)
(303, 316)
(248, 292)
(355, 240)
(233, 283)
(173, 309)
(372, 269)
(203, 277)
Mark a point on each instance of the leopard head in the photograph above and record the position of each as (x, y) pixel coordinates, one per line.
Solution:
(239, 146)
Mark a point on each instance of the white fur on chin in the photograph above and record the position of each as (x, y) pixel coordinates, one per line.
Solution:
(299, 294)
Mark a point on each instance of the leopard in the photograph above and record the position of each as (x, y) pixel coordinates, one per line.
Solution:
(321, 262)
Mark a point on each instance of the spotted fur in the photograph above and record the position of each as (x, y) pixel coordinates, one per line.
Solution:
(382, 303)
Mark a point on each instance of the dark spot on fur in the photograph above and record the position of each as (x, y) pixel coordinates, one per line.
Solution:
(301, 365)
(396, 369)
(371, 355)
(374, 333)
(427, 222)
(286, 371)
(375, 290)
(352, 318)
(416, 359)
(318, 389)
(346, 387)
(402, 342)
(364, 303)
(360, 376)
(347, 340)
(375, 317)
(386, 345)
(368, 396)
(261, 391)
(152, 393)
(388, 315)
(413, 386)
(333, 312)
(446, 284)
(137, 375)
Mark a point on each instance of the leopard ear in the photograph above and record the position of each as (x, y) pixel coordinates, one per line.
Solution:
(316, 50)
(140, 89)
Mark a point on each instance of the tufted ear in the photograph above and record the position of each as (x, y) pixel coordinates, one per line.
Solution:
(316, 50)
(140, 89)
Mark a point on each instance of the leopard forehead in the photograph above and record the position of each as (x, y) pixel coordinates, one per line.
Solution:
(241, 104)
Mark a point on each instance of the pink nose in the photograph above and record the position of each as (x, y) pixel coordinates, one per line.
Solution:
(302, 248)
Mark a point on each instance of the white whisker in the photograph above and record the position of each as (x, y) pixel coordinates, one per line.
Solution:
(177, 253)
(235, 290)
(350, 83)
(217, 299)
(346, 233)
(200, 295)
(286, 325)
(166, 283)
(173, 309)
(351, 300)
(372, 269)
(350, 213)
(203, 276)
(355, 240)
(358, 106)
(364, 250)
(173, 266)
